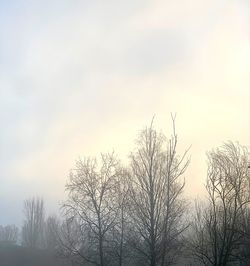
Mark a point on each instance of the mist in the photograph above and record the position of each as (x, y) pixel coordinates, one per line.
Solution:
(80, 80)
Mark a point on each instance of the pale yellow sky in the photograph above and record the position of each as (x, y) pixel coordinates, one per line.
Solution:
(82, 78)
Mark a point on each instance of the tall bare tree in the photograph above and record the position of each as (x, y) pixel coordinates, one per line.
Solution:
(220, 228)
(156, 195)
(92, 204)
(32, 231)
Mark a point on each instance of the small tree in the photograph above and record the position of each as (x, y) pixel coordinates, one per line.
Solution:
(51, 230)
(9, 234)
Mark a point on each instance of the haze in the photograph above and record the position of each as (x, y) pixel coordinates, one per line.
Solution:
(82, 77)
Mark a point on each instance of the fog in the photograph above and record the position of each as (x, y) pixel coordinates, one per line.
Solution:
(81, 78)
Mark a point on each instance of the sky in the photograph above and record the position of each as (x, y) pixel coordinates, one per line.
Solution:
(78, 78)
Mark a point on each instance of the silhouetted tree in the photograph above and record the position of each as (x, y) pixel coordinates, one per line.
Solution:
(92, 205)
(220, 228)
(156, 196)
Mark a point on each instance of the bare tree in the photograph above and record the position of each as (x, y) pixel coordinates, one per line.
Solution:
(156, 190)
(51, 230)
(8, 233)
(221, 227)
(69, 240)
(118, 235)
(32, 231)
(93, 206)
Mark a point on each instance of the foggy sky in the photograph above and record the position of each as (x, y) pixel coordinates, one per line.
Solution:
(82, 77)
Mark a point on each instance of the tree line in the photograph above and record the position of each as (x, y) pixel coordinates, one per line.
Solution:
(136, 214)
